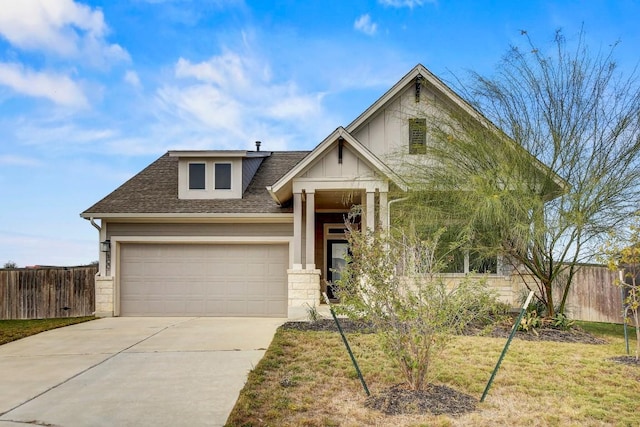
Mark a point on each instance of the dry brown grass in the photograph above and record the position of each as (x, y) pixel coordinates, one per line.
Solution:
(306, 379)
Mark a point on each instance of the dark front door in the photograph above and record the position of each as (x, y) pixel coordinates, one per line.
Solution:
(336, 253)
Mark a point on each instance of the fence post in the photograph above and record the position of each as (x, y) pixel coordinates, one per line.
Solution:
(506, 346)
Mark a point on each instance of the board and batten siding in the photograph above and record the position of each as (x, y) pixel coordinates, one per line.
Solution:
(387, 132)
(329, 166)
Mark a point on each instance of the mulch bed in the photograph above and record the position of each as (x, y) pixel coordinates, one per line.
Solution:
(626, 360)
(436, 399)
(573, 335)
(329, 325)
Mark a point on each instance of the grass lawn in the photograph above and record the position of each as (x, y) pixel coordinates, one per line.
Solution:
(306, 379)
(11, 330)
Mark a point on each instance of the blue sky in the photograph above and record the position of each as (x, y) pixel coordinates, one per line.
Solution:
(91, 92)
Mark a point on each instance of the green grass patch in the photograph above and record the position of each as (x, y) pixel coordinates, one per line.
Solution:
(307, 379)
(11, 330)
(605, 329)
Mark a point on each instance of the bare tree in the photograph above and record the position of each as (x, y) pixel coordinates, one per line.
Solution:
(551, 172)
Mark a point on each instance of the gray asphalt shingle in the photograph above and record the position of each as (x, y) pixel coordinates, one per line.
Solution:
(155, 190)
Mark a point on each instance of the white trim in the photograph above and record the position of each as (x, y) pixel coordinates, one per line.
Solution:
(194, 217)
(208, 153)
(202, 239)
(326, 236)
(297, 230)
(339, 184)
(218, 153)
(310, 231)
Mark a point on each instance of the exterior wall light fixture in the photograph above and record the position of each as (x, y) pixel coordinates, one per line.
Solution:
(105, 246)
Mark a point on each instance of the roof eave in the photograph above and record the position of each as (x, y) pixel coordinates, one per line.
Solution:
(191, 217)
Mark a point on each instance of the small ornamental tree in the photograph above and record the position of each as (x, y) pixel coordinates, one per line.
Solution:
(553, 171)
(392, 284)
(627, 261)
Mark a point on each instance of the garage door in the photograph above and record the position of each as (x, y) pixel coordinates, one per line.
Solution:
(203, 280)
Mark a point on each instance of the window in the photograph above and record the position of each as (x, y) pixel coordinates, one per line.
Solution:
(223, 176)
(417, 136)
(481, 264)
(196, 176)
(462, 261)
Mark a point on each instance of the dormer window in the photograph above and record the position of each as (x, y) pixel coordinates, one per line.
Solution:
(219, 174)
(417, 136)
(222, 176)
(197, 176)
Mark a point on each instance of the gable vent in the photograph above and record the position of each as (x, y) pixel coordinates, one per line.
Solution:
(418, 87)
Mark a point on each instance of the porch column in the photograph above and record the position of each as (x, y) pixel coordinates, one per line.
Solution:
(297, 231)
(383, 212)
(310, 231)
(370, 211)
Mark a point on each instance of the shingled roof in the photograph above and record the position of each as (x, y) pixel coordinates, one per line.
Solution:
(155, 191)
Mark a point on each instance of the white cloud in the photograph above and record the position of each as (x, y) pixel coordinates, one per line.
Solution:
(62, 27)
(365, 25)
(231, 100)
(405, 3)
(132, 78)
(56, 87)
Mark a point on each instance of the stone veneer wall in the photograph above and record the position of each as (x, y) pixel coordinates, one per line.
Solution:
(104, 296)
(304, 292)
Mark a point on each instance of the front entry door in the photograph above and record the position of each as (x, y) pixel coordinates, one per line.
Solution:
(336, 254)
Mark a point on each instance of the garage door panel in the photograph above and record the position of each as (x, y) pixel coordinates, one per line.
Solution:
(203, 280)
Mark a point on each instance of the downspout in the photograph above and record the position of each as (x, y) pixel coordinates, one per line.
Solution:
(389, 210)
(94, 224)
(102, 261)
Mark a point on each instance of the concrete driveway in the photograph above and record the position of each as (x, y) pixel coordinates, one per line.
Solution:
(131, 372)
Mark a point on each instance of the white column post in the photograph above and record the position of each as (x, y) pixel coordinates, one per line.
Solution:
(297, 231)
(384, 211)
(370, 211)
(310, 231)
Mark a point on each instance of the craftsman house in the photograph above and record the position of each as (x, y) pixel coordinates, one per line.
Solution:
(256, 233)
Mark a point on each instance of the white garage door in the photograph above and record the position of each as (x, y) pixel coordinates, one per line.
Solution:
(203, 280)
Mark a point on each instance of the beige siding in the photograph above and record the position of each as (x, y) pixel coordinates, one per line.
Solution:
(172, 229)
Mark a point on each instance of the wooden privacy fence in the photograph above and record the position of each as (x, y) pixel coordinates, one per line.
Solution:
(47, 292)
(593, 297)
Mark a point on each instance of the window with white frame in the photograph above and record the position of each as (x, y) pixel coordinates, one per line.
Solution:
(197, 174)
(222, 176)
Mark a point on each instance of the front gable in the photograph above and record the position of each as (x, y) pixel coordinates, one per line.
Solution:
(340, 162)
